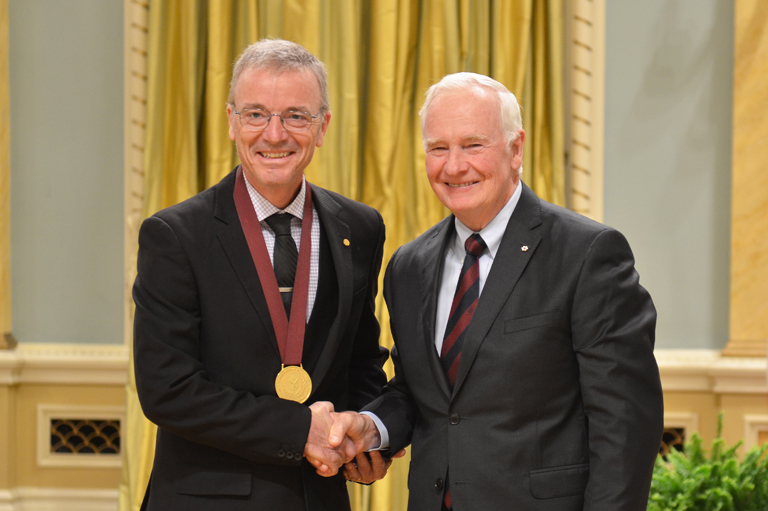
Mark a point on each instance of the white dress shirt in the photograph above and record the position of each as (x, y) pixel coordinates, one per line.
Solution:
(264, 209)
(453, 259)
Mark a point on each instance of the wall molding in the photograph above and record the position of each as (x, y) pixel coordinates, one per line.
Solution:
(58, 499)
(681, 370)
(689, 421)
(585, 105)
(135, 106)
(753, 426)
(65, 364)
(709, 371)
(5, 183)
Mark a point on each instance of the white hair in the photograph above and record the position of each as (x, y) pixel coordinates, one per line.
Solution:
(509, 109)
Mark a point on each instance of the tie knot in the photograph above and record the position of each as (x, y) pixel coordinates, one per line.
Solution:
(475, 245)
(280, 223)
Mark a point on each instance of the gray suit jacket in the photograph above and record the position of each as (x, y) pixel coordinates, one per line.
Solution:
(557, 404)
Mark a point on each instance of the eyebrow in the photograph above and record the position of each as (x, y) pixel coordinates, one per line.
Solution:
(259, 106)
(475, 138)
(468, 139)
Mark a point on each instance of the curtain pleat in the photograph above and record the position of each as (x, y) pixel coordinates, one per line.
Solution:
(381, 57)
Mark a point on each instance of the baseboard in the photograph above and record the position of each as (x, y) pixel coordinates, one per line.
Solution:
(58, 499)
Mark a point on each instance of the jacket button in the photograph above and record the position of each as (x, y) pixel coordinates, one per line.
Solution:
(289, 455)
(439, 484)
(281, 453)
(454, 418)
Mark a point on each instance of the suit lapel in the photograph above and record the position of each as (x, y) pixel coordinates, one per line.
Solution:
(517, 247)
(233, 241)
(336, 231)
(431, 272)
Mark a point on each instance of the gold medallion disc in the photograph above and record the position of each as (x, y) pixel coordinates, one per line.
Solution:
(293, 383)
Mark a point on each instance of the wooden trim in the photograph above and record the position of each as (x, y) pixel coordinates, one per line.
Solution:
(585, 105)
(6, 341)
(689, 421)
(746, 348)
(709, 371)
(136, 28)
(60, 499)
(65, 364)
(753, 426)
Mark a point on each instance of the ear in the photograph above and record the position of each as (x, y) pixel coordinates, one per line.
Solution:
(230, 119)
(516, 150)
(323, 129)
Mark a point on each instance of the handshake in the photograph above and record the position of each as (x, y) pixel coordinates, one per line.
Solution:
(343, 439)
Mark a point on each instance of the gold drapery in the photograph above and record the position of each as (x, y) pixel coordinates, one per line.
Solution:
(381, 57)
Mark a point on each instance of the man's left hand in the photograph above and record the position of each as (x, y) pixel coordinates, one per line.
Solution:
(365, 469)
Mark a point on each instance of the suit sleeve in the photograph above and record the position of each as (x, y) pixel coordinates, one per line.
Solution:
(171, 380)
(366, 376)
(396, 407)
(613, 323)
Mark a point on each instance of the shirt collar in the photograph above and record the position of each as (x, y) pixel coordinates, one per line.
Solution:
(491, 233)
(265, 209)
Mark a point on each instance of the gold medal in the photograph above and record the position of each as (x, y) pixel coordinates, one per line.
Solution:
(293, 383)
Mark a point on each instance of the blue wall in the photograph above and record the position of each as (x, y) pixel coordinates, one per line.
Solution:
(66, 86)
(669, 74)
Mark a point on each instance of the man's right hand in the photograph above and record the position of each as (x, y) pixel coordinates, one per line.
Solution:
(354, 432)
(326, 458)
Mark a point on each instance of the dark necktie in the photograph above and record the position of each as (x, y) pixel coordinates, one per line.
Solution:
(462, 309)
(285, 257)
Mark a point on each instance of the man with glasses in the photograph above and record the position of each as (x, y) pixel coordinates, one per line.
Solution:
(255, 310)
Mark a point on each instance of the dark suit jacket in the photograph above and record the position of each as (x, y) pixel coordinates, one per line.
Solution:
(206, 356)
(557, 403)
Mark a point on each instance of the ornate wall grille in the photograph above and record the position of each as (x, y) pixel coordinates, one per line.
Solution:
(672, 439)
(85, 436)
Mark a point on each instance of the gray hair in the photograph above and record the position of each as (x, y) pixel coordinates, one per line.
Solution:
(279, 55)
(511, 121)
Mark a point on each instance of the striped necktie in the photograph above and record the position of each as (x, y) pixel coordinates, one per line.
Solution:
(463, 307)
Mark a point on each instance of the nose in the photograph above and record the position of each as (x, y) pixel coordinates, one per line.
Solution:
(455, 163)
(274, 132)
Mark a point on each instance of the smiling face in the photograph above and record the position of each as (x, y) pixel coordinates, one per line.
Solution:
(471, 167)
(274, 159)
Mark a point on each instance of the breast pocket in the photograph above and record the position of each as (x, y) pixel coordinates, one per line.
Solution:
(534, 321)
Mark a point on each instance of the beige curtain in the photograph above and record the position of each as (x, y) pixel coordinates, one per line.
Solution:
(381, 57)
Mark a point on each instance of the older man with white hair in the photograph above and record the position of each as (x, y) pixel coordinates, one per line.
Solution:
(524, 369)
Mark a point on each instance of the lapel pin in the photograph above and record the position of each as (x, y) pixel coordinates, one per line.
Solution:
(524, 248)
(346, 242)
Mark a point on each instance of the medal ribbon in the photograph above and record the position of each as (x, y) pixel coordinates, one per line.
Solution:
(290, 335)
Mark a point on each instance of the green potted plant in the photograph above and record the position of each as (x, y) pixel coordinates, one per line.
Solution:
(694, 481)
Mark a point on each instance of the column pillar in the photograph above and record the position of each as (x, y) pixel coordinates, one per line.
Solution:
(749, 217)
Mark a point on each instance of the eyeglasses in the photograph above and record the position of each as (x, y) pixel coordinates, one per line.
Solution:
(292, 120)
